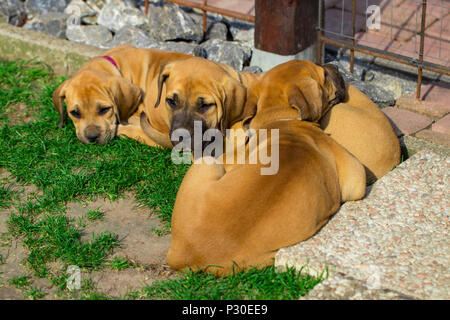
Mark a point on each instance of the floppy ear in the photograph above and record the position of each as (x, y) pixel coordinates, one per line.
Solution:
(335, 85)
(306, 97)
(164, 72)
(234, 96)
(57, 97)
(250, 109)
(126, 96)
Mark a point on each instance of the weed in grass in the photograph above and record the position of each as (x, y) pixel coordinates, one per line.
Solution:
(265, 283)
(94, 214)
(120, 263)
(35, 294)
(20, 281)
(6, 196)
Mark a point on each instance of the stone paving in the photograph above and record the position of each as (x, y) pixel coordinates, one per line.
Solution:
(392, 244)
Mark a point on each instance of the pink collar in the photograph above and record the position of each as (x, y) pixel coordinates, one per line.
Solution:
(111, 60)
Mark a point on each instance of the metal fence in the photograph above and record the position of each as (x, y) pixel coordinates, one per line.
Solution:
(412, 57)
(203, 5)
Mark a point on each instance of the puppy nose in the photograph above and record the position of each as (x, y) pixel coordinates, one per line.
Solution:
(92, 134)
(92, 137)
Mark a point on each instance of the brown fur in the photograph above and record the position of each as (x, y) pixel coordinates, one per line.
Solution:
(128, 90)
(233, 214)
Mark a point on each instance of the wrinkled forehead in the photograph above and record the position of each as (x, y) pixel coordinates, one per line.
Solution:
(294, 70)
(83, 90)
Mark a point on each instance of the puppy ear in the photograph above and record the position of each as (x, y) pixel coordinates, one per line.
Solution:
(306, 97)
(57, 97)
(233, 101)
(335, 84)
(164, 72)
(126, 96)
(250, 109)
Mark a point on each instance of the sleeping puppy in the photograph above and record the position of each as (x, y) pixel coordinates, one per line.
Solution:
(196, 89)
(348, 115)
(107, 95)
(109, 89)
(237, 216)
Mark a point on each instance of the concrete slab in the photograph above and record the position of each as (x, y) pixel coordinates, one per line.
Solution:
(406, 122)
(435, 137)
(427, 108)
(395, 239)
(442, 125)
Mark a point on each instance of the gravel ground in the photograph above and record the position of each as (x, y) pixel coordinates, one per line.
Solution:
(392, 244)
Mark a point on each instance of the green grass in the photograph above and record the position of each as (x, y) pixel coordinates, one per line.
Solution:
(20, 281)
(94, 214)
(253, 284)
(65, 170)
(6, 196)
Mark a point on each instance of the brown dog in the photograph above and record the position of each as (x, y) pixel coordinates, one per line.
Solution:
(108, 90)
(353, 120)
(198, 90)
(237, 215)
(362, 128)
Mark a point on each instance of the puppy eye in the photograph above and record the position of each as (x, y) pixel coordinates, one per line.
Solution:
(205, 107)
(103, 110)
(75, 113)
(171, 102)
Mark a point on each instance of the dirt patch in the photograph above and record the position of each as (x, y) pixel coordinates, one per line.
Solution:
(118, 283)
(18, 113)
(134, 227)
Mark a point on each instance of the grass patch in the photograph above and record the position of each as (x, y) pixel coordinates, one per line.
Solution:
(6, 196)
(265, 283)
(20, 281)
(94, 214)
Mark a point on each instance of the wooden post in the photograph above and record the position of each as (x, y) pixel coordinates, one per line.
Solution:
(285, 27)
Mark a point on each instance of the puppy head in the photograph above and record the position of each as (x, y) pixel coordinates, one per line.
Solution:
(294, 90)
(199, 90)
(96, 103)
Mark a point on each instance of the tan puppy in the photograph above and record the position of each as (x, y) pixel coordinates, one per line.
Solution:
(356, 123)
(362, 128)
(197, 90)
(108, 91)
(237, 215)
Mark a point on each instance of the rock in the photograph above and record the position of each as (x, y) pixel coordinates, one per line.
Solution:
(375, 92)
(98, 36)
(42, 6)
(227, 52)
(181, 26)
(80, 9)
(183, 47)
(253, 69)
(52, 23)
(12, 12)
(115, 15)
(218, 30)
(246, 36)
(132, 36)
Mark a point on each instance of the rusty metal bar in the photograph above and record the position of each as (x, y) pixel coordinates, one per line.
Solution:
(387, 55)
(205, 3)
(320, 24)
(146, 7)
(422, 44)
(352, 51)
(209, 8)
